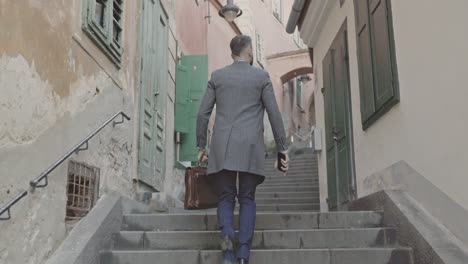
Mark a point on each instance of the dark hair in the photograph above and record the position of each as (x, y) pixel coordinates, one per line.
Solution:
(240, 43)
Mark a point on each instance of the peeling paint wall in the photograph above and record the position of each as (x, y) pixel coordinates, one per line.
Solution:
(56, 87)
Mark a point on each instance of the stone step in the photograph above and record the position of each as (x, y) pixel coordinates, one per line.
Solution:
(207, 220)
(288, 207)
(289, 184)
(290, 179)
(287, 195)
(267, 239)
(292, 174)
(271, 183)
(304, 188)
(306, 200)
(290, 256)
(315, 207)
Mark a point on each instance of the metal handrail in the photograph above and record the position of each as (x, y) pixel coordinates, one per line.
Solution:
(43, 176)
(6, 207)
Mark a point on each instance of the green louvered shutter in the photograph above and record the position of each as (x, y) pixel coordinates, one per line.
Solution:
(366, 82)
(182, 99)
(385, 85)
(191, 85)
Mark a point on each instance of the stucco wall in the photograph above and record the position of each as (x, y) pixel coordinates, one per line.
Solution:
(428, 127)
(280, 66)
(56, 86)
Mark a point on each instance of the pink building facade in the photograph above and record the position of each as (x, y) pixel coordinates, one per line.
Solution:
(201, 31)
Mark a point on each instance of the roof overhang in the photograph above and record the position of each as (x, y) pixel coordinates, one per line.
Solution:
(312, 19)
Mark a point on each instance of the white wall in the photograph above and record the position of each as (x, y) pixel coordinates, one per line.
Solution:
(428, 127)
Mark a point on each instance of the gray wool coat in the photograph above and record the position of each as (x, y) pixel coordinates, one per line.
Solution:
(241, 94)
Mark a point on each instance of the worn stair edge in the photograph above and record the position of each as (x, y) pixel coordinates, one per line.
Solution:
(287, 195)
(300, 200)
(289, 189)
(268, 184)
(298, 256)
(266, 239)
(193, 220)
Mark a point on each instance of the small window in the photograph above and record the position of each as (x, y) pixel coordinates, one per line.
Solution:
(260, 51)
(299, 92)
(102, 21)
(82, 189)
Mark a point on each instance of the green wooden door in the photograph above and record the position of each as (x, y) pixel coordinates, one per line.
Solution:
(338, 123)
(191, 82)
(153, 87)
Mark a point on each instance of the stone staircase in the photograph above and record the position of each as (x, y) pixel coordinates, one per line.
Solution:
(289, 229)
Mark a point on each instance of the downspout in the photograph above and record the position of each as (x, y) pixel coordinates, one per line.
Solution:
(294, 16)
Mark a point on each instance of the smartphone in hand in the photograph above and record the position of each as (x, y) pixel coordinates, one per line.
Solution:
(281, 156)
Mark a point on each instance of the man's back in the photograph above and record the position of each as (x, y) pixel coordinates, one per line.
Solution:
(241, 94)
(238, 92)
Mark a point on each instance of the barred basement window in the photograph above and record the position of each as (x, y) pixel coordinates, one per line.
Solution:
(82, 189)
(102, 21)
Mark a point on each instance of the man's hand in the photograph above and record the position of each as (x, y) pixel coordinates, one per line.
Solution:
(202, 156)
(284, 164)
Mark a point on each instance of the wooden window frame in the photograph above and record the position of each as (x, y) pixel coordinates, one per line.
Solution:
(103, 36)
(378, 112)
(299, 91)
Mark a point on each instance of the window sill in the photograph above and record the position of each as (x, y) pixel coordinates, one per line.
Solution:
(116, 60)
(379, 113)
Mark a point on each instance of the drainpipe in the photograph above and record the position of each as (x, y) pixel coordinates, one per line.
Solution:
(294, 16)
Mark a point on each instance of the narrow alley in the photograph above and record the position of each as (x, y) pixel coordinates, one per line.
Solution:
(353, 111)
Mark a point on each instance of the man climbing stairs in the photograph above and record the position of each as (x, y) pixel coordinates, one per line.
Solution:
(289, 229)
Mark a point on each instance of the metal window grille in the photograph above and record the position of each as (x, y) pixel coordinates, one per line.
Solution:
(82, 189)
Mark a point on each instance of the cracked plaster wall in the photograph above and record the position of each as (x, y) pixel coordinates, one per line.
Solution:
(57, 86)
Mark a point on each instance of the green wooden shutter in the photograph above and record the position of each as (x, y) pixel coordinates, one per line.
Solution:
(384, 85)
(182, 99)
(366, 81)
(191, 85)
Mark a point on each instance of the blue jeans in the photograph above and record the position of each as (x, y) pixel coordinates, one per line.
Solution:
(227, 192)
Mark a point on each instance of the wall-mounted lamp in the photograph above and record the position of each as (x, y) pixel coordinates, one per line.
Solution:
(230, 11)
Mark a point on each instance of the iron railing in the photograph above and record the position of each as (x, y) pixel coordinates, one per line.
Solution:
(6, 207)
(43, 177)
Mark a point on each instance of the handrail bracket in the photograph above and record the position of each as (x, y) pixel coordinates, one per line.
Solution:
(8, 217)
(86, 147)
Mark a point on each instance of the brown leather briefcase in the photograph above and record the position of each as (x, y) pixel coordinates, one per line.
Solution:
(199, 189)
